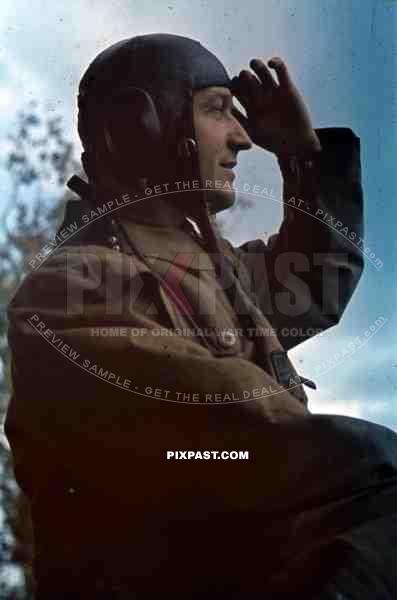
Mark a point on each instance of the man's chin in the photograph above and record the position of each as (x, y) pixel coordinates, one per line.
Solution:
(219, 200)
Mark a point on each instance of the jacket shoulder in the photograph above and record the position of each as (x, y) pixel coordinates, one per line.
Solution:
(71, 266)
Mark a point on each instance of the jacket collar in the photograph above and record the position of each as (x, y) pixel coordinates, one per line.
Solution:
(153, 212)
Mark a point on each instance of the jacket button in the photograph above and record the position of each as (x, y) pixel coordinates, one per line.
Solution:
(114, 243)
(227, 338)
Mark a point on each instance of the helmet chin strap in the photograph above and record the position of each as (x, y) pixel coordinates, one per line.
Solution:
(188, 154)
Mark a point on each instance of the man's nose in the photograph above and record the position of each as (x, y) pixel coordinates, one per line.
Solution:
(239, 137)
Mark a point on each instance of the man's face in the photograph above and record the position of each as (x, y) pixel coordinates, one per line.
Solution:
(219, 136)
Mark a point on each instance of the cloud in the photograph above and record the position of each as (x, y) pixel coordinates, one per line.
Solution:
(324, 402)
(363, 383)
(7, 101)
(20, 85)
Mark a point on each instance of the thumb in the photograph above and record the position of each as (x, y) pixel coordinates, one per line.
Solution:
(240, 117)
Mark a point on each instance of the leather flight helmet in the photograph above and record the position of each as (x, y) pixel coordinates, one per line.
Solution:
(135, 103)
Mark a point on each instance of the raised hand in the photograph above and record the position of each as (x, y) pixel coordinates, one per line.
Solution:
(278, 119)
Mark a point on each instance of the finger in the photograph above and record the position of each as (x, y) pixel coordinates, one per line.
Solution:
(251, 87)
(238, 92)
(263, 73)
(242, 88)
(280, 67)
(250, 80)
(234, 85)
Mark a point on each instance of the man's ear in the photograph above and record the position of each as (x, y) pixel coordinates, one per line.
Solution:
(132, 132)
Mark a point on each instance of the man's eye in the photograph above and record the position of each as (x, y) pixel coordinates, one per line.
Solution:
(217, 108)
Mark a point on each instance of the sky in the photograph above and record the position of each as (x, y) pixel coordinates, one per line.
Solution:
(342, 55)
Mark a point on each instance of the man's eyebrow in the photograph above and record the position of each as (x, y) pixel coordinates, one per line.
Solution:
(214, 94)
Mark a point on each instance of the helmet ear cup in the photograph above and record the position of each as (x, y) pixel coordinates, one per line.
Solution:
(132, 133)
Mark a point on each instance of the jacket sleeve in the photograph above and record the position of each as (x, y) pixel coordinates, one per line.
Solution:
(94, 384)
(305, 276)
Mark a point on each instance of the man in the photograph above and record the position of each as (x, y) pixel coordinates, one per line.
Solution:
(139, 339)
